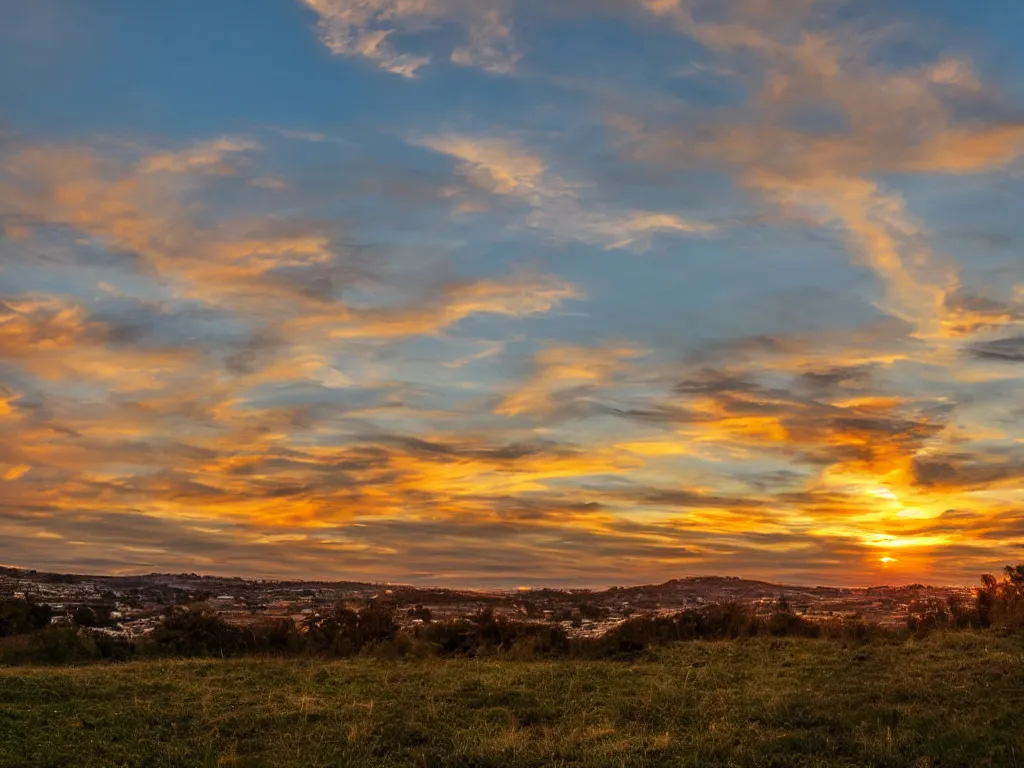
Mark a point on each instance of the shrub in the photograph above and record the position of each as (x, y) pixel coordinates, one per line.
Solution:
(962, 616)
(19, 616)
(784, 623)
(485, 635)
(196, 632)
(713, 622)
(332, 630)
(111, 648)
(726, 620)
(421, 613)
(52, 645)
(280, 636)
(342, 631)
(84, 616)
(376, 624)
(856, 630)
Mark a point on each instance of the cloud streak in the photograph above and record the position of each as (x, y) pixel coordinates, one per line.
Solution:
(501, 167)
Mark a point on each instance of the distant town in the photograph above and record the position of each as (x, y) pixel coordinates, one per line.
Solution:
(131, 606)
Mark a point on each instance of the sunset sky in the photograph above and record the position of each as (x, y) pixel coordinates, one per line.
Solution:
(501, 293)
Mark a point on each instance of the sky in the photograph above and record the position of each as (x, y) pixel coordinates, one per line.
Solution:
(505, 293)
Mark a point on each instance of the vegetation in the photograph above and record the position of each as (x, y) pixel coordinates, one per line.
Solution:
(951, 699)
(942, 691)
(1001, 602)
(19, 616)
(340, 631)
(27, 636)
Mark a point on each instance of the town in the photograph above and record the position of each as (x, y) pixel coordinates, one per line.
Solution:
(132, 606)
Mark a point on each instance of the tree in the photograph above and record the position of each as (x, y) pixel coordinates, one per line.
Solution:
(1001, 602)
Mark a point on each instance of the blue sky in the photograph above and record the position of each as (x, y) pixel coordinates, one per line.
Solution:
(499, 292)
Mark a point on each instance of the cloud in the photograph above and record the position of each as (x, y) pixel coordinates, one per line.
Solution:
(299, 134)
(367, 28)
(502, 167)
(205, 157)
(563, 376)
(237, 377)
(498, 166)
(977, 471)
(521, 295)
(269, 182)
(241, 265)
(62, 340)
(848, 432)
(968, 314)
(1009, 349)
(798, 60)
(639, 224)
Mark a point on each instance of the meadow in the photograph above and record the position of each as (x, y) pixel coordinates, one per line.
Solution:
(948, 699)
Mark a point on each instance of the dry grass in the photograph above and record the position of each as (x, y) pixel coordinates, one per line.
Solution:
(949, 700)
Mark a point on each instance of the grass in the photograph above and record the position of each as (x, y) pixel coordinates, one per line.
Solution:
(948, 700)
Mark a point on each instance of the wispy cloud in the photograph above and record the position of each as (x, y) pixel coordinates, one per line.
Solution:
(502, 167)
(366, 29)
(204, 157)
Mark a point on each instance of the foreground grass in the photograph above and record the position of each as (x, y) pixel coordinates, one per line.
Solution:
(949, 700)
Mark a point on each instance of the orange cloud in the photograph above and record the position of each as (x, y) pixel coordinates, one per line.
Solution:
(564, 370)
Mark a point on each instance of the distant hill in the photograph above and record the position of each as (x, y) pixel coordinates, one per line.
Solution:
(721, 587)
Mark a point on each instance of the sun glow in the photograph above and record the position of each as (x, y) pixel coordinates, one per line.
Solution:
(883, 540)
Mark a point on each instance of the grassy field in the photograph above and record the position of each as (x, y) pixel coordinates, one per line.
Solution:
(949, 700)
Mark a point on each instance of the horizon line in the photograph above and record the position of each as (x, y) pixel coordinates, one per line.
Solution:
(519, 588)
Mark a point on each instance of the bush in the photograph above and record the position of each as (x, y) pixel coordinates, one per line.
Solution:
(726, 620)
(196, 632)
(962, 616)
(421, 613)
(713, 622)
(342, 631)
(923, 624)
(486, 635)
(783, 623)
(111, 648)
(280, 636)
(857, 630)
(84, 616)
(52, 645)
(19, 616)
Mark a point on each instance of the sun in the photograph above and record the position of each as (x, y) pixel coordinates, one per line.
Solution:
(887, 560)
